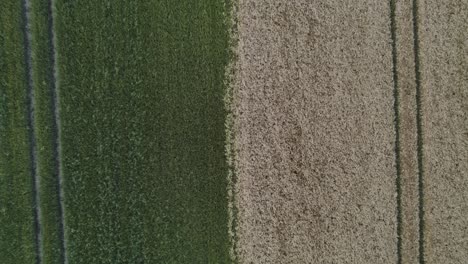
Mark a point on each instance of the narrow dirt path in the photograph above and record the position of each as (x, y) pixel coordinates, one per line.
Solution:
(408, 232)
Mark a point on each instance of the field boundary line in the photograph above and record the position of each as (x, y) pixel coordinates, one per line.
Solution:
(26, 14)
(419, 129)
(230, 148)
(56, 128)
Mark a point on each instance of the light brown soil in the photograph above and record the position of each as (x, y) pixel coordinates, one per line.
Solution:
(444, 73)
(315, 133)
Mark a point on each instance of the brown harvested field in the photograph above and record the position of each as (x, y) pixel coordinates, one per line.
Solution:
(315, 133)
(337, 107)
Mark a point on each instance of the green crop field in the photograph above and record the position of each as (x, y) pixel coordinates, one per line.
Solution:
(118, 155)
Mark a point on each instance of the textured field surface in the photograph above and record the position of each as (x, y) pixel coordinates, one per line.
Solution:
(351, 132)
(315, 133)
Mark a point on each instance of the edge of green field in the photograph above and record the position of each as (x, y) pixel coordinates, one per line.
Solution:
(17, 234)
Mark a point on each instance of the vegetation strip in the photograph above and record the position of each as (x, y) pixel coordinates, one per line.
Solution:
(397, 129)
(31, 130)
(56, 131)
(231, 22)
(419, 131)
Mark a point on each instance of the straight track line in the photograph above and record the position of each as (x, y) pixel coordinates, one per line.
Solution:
(56, 131)
(419, 130)
(396, 94)
(26, 13)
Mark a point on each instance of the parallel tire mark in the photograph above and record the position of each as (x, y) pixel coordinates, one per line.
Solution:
(419, 131)
(397, 129)
(31, 130)
(56, 130)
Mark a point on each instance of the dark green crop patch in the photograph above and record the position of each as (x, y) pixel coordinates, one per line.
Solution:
(141, 97)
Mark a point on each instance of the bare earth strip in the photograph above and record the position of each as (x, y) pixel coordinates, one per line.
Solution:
(315, 133)
(444, 86)
(406, 86)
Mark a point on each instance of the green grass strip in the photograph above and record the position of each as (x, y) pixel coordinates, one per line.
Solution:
(231, 84)
(141, 87)
(18, 232)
